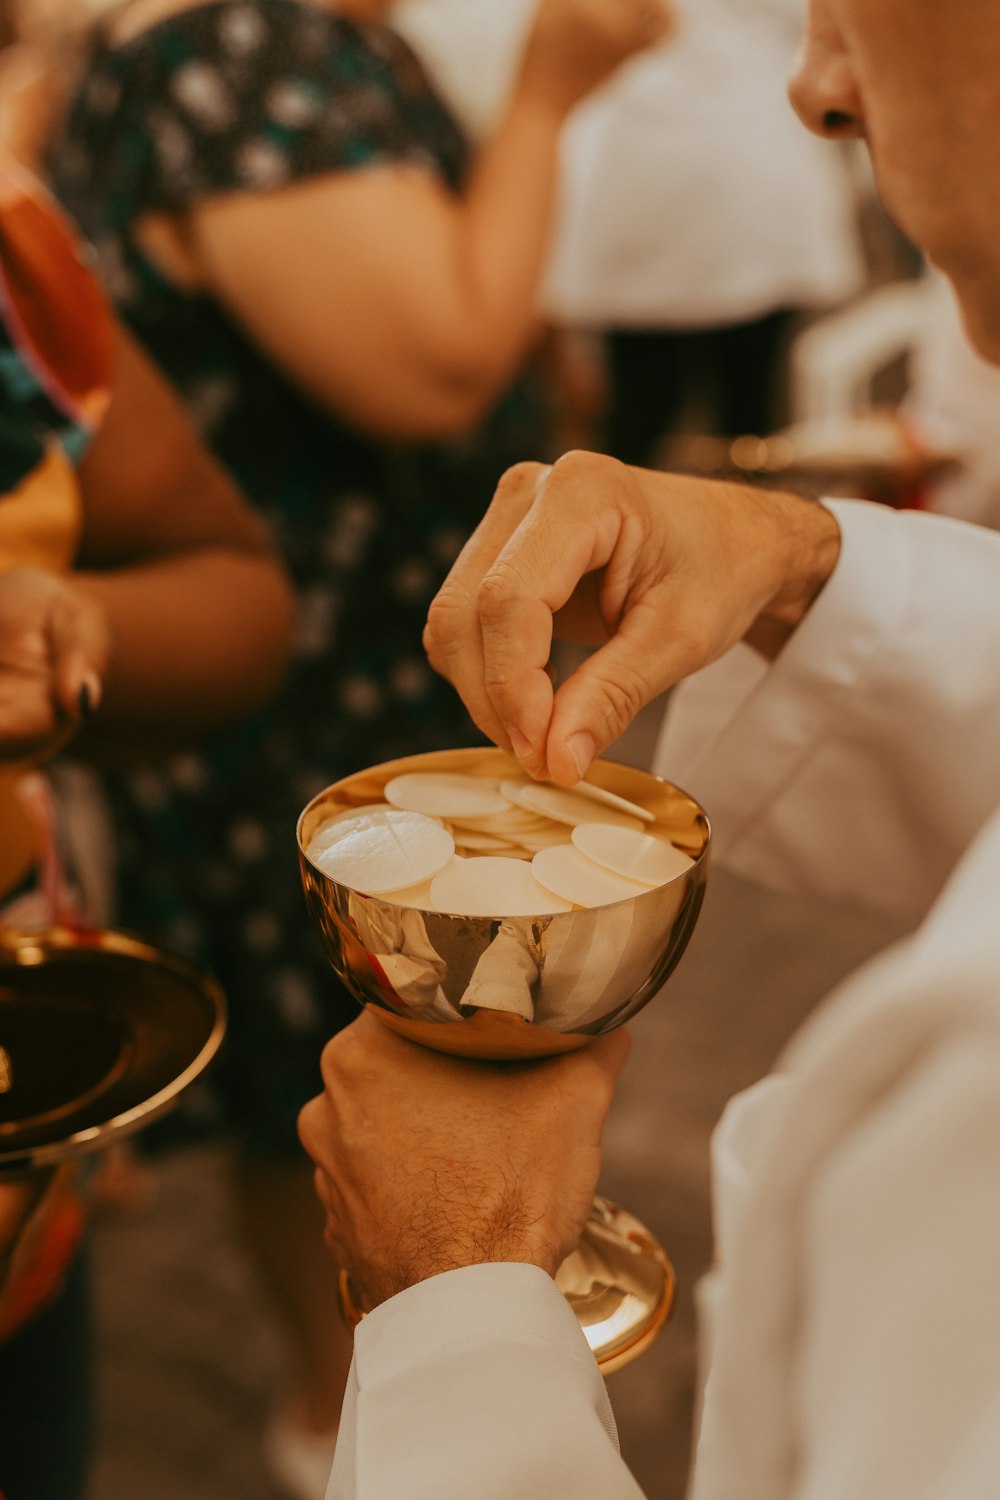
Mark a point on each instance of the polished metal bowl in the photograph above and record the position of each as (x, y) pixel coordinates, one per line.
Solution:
(100, 1034)
(504, 987)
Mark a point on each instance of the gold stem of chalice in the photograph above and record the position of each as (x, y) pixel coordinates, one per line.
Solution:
(510, 988)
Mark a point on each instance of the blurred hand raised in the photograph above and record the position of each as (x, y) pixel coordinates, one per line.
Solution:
(574, 45)
(54, 647)
(662, 572)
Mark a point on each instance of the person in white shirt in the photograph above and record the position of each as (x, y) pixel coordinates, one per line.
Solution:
(699, 221)
(846, 739)
(697, 218)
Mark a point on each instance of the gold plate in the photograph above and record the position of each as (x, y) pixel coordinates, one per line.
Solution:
(100, 1033)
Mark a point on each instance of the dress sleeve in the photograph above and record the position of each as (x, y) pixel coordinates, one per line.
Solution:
(864, 761)
(239, 97)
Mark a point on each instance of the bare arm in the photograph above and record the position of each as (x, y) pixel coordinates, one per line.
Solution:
(396, 303)
(179, 617)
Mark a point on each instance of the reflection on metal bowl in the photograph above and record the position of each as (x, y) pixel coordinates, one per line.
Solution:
(505, 987)
(100, 1033)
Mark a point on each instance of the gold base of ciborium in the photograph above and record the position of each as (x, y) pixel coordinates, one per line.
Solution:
(511, 987)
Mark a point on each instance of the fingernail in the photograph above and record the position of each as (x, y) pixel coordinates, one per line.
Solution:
(89, 695)
(582, 749)
(520, 744)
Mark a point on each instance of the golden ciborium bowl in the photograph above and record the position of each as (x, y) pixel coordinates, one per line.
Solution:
(505, 988)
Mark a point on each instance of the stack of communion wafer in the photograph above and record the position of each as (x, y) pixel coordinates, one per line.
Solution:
(470, 846)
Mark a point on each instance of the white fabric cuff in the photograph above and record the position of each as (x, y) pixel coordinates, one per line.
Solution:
(465, 1309)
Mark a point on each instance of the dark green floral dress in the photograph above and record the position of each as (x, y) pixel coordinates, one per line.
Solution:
(250, 95)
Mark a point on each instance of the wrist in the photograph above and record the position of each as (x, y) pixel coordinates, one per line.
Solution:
(503, 1237)
(810, 551)
(535, 97)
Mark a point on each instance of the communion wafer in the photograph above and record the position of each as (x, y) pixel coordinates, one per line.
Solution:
(554, 833)
(475, 838)
(493, 887)
(327, 833)
(512, 785)
(445, 796)
(612, 799)
(568, 873)
(637, 856)
(572, 807)
(381, 850)
(418, 896)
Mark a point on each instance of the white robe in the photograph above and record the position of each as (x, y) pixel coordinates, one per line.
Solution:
(852, 1324)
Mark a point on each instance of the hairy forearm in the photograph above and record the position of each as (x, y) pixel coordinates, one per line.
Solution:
(776, 550)
(813, 548)
(197, 640)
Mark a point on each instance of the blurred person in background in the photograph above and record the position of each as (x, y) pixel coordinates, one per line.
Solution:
(698, 221)
(141, 606)
(291, 221)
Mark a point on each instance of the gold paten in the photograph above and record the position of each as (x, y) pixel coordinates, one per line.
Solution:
(102, 1034)
(542, 985)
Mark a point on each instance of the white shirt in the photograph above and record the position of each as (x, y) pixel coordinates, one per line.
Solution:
(691, 195)
(854, 1315)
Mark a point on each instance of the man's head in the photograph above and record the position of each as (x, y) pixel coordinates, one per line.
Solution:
(920, 80)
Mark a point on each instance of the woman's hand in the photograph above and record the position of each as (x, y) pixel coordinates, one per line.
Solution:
(662, 572)
(54, 647)
(574, 45)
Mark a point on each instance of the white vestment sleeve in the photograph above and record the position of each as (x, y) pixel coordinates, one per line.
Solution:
(478, 1383)
(861, 764)
(856, 1303)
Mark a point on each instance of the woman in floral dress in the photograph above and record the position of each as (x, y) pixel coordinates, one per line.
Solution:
(290, 220)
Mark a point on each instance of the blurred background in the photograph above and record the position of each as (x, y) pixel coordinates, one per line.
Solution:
(692, 282)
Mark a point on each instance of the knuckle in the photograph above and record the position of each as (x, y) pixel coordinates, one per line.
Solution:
(335, 1059)
(430, 645)
(518, 479)
(308, 1126)
(578, 464)
(622, 696)
(497, 591)
(440, 630)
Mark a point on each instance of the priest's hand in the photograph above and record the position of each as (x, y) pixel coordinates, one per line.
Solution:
(661, 572)
(427, 1163)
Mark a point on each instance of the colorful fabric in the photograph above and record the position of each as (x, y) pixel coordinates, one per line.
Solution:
(42, 1273)
(56, 332)
(241, 96)
(56, 336)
